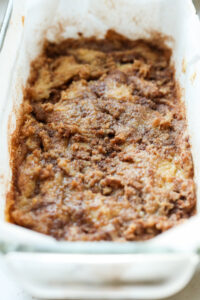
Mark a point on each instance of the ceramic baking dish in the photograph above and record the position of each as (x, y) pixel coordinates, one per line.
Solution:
(50, 269)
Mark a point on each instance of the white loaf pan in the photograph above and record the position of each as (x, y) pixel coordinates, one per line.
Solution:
(50, 269)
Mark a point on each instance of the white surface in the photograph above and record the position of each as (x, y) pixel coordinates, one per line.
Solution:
(11, 291)
(140, 276)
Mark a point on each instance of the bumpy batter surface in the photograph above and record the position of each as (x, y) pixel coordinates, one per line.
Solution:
(101, 150)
